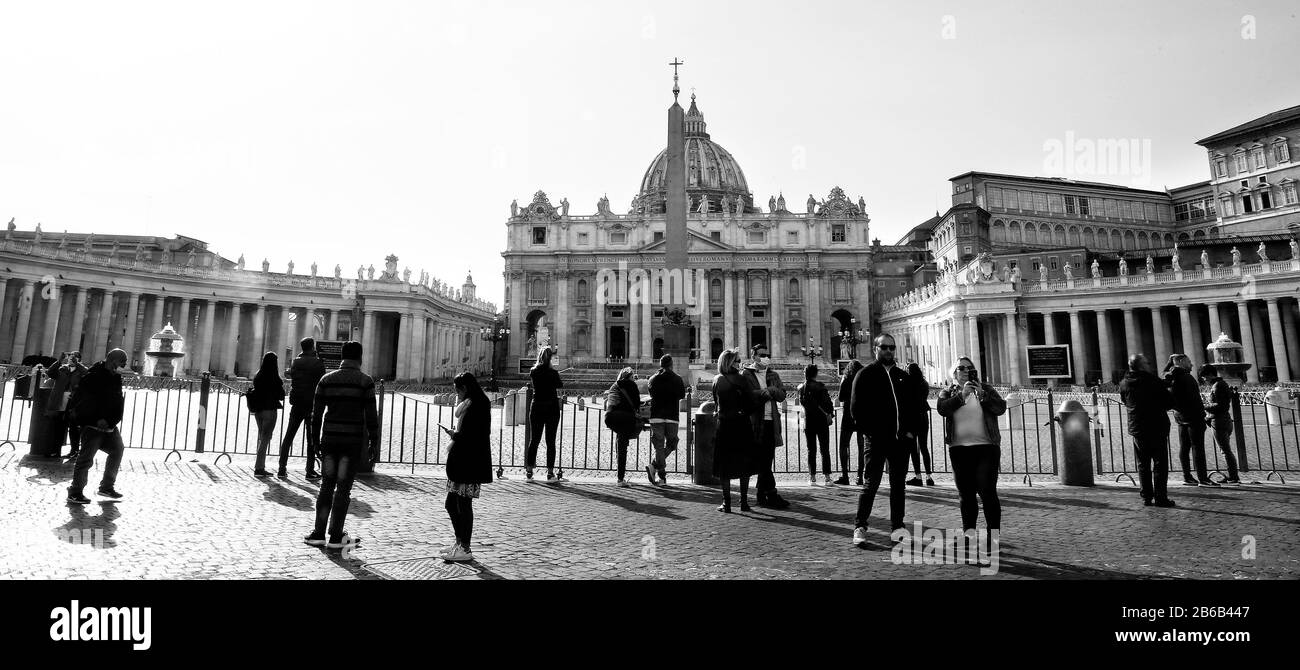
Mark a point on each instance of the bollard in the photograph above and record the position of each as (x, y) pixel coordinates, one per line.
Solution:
(1278, 407)
(205, 387)
(706, 428)
(1076, 443)
(43, 432)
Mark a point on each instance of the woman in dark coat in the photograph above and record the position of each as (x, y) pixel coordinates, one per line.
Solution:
(919, 395)
(621, 416)
(544, 415)
(469, 462)
(265, 400)
(733, 447)
(847, 427)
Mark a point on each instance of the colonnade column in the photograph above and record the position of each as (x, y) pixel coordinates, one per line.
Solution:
(1216, 326)
(1160, 329)
(1292, 339)
(232, 338)
(205, 338)
(1076, 348)
(1107, 350)
(52, 307)
(1013, 349)
(1132, 344)
(96, 349)
(79, 319)
(24, 319)
(1049, 328)
(1260, 349)
(973, 332)
(1247, 339)
(1185, 329)
(776, 341)
(132, 316)
(1279, 343)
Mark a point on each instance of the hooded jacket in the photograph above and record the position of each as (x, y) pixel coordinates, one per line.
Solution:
(1189, 409)
(1148, 402)
(777, 395)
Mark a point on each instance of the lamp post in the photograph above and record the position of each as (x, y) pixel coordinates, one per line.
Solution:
(494, 334)
(812, 351)
(853, 336)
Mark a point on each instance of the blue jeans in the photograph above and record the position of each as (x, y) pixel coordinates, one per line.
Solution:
(299, 414)
(92, 441)
(337, 470)
(664, 438)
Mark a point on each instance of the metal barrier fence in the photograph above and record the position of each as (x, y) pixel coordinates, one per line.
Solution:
(168, 414)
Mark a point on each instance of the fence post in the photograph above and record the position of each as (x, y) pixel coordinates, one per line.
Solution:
(205, 387)
(1241, 437)
(367, 465)
(1051, 429)
(1096, 430)
(690, 433)
(528, 424)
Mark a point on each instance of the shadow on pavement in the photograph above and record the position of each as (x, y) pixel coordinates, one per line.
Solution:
(81, 526)
(383, 482)
(203, 467)
(276, 492)
(628, 504)
(355, 568)
(1035, 568)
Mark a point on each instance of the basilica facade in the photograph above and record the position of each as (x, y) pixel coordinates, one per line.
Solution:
(775, 275)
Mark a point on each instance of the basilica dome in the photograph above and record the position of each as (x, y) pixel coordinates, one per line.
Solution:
(711, 172)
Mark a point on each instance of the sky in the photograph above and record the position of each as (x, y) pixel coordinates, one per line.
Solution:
(341, 132)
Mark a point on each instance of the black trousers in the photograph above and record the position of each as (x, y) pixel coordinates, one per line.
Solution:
(894, 452)
(1222, 431)
(765, 451)
(819, 436)
(1153, 466)
(537, 422)
(297, 415)
(846, 434)
(1191, 441)
(922, 450)
(461, 510)
(975, 471)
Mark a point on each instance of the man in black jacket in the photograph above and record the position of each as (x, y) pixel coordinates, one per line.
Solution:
(1219, 413)
(1189, 410)
(666, 393)
(1148, 401)
(817, 412)
(97, 406)
(880, 411)
(769, 393)
(306, 371)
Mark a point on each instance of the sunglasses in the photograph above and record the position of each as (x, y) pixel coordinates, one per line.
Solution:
(886, 347)
(965, 367)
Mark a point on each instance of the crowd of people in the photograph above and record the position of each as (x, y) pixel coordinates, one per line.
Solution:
(884, 405)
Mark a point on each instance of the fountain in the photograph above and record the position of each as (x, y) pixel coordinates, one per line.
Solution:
(1227, 359)
(165, 347)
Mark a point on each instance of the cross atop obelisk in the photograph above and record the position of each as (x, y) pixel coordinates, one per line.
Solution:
(676, 90)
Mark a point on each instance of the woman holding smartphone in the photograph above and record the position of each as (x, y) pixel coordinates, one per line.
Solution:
(469, 462)
(971, 409)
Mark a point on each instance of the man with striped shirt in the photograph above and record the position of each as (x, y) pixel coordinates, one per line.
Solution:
(345, 422)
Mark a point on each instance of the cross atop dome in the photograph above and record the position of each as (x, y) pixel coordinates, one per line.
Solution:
(676, 90)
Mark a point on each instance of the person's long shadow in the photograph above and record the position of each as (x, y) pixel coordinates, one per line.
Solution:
(628, 504)
(1263, 517)
(276, 492)
(382, 482)
(762, 514)
(203, 467)
(1037, 568)
(354, 567)
(86, 529)
(1022, 500)
(48, 470)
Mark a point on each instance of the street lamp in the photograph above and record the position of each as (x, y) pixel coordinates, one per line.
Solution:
(812, 351)
(853, 336)
(494, 334)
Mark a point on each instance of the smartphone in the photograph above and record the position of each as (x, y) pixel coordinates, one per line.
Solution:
(974, 375)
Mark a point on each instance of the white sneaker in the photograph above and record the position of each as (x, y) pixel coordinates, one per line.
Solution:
(448, 550)
(812, 481)
(828, 483)
(623, 484)
(860, 537)
(458, 554)
(344, 541)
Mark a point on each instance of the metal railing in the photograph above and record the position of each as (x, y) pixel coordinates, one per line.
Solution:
(178, 416)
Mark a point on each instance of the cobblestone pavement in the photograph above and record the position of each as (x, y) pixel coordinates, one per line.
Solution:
(196, 520)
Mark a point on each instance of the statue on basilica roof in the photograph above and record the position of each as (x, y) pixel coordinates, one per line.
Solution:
(1263, 253)
(812, 204)
(771, 204)
(338, 271)
(514, 208)
(238, 266)
(564, 206)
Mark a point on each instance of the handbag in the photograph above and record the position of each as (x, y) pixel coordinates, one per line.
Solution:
(621, 421)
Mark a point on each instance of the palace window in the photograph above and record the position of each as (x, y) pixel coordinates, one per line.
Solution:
(1221, 167)
(757, 237)
(1258, 155)
(580, 292)
(715, 314)
(539, 234)
(1265, 200)
(715, 235)
(1070, 206)
(659, 236)
(1229, 209)
(968, 250)
(584, 239)
(1083, 206)
(1239, 159)
(1281, 153)
(837, 232)
(1036, 263)
(792, 237)
(617, 237)
(537, 290)
(1052, 262)
(715, 290)
(1180, 212)
(616, 314)
(1197, 208)
(902, 283)
(1246, 205)
(840, 289)
(1288, 193)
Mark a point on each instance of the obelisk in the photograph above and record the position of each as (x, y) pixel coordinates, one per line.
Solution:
(677, 336)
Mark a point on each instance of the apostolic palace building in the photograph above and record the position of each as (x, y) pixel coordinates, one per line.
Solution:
(91, 293)
(1016, 261)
